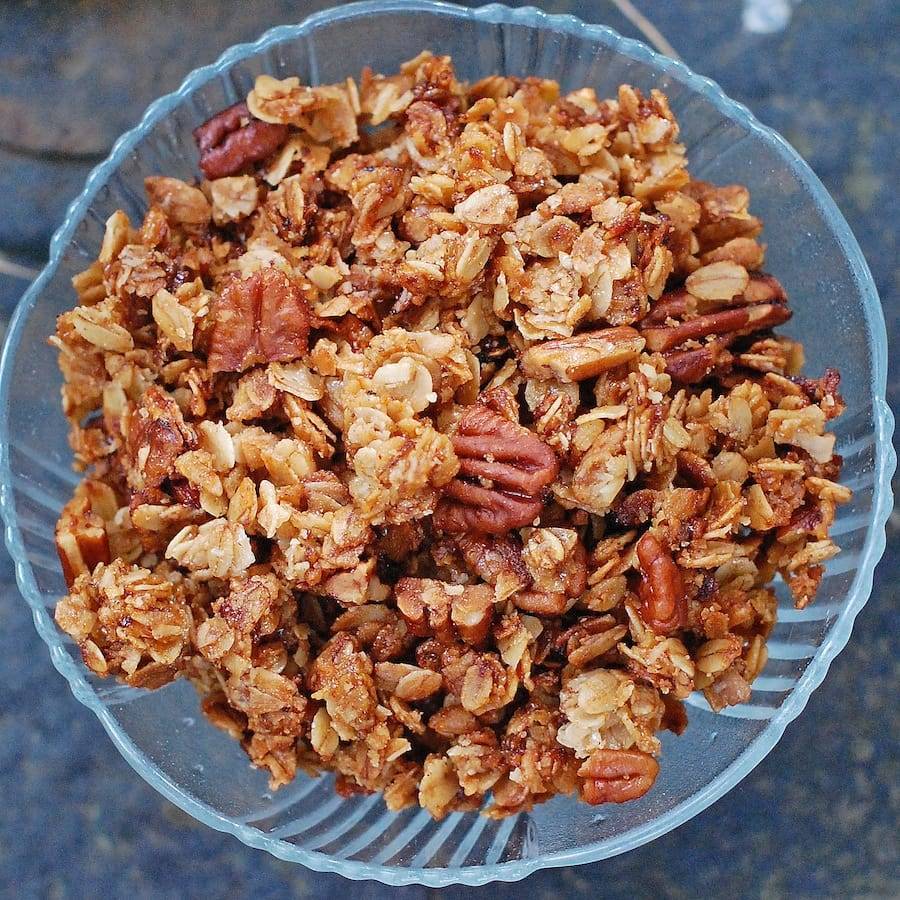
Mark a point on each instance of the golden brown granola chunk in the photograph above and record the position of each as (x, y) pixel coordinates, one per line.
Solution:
(129, 622)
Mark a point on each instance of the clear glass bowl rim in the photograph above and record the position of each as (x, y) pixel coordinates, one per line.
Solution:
(840, 631)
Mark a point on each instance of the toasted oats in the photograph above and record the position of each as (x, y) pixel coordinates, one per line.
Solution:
(174, 320)
(233, 198)
(96, 325)
(438, 786)
(493, 205)
(450, 459)
(722, 280)
(115, 237)
(181, 203)
(216, 549)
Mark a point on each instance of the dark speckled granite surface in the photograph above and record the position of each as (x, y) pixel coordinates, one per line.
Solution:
(819, 817)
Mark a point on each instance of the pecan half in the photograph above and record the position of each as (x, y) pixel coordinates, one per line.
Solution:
(467, 507)
(675, 304)
(233, 139)
(517, 463)
(584, 355)
(490, 446)
(258, 319)
(739, 319)
(663, 606)
(616, 776)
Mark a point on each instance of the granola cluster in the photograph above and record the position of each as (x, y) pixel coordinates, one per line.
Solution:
(441, 437)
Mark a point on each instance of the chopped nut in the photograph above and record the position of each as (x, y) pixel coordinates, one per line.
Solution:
(445, 610)
(583, 356)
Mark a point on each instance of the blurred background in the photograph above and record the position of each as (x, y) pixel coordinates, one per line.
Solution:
(818, 818)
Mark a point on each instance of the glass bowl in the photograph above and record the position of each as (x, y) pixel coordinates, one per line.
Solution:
(836, 311)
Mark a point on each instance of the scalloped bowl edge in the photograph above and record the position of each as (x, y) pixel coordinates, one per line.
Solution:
(754, 753)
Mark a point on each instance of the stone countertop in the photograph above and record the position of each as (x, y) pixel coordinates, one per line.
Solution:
(818, 817)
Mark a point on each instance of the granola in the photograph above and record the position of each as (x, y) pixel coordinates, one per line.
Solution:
(440, 435)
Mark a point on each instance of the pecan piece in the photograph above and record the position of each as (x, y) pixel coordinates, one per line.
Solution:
(519, 465)
(616, 776)
(691, 366)
(671, 305)
(739, 319)
(634, 509)
(233, 139)
(496, 560)
(541, 604)
(81, 540)
(663, 606)
(434, 608)
(156, 436)
(472, 611)
(259, 319)
(584, 355)
(764, 289)
(695, 469)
